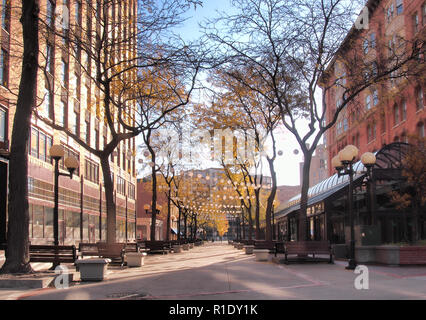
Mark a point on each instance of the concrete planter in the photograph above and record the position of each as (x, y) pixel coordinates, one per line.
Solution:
(191, 245)
(387, 255)
(261, 254)
(413, 255)
(185, 246)
(92, 269)
(365, 254)
(177, 248)
(240, 246)
(249, 249)
(135, 259)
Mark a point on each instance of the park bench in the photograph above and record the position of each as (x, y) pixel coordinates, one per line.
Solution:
(88, 249)
(264, 245)
(306, 248)
(163, 247)
(113, 251)
(247, 242)
(51, 253)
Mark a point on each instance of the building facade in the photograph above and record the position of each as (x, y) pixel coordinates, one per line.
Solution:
(68, 96)
(390, 111)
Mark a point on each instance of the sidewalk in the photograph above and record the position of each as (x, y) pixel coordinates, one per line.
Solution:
(217, 271)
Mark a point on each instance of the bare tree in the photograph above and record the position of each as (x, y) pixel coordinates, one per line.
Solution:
(17, 253)
(290, 46)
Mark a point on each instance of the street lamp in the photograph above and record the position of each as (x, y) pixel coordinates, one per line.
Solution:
(368, 159)
(56, 153)
(343, 163)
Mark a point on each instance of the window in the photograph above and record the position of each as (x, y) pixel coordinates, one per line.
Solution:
(50, 13)
(404, 110)
(3, 128)
(389, 13)
(78, 13)
(366, 46)
(399, 7)
(5, 13)
(87, 127)
(48, 103)
(396, 114)
(371, 132)
(91, 171)
(373, 40)
(4, 68)
(368, 102)
(424, 13)
(64, 74)
(421, 129)
(375, 98)
(416, 23)
(60, 117)
(121, 186)
(49, 58)
(40, 145)
(419, 99)
(345, 125)
(76, 125)
(132, 192)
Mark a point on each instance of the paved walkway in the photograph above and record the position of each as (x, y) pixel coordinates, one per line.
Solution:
(217, 271)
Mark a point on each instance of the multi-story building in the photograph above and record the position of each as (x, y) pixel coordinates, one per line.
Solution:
(68, 96)
(389, 111)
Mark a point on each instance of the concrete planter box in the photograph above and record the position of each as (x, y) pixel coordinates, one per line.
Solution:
(387, 255)
(235, 244)
(240, 246)
(177, 248)
(412, 255)
(249, 249)
(365, 254)
(391, 255)
(92, 269)
(185, 246)
(135, 259)
(261, 254)
(191, 245)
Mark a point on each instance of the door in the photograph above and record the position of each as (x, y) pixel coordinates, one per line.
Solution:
(3, 200)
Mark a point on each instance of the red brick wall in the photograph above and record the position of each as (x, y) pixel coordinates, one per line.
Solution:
(412, 255)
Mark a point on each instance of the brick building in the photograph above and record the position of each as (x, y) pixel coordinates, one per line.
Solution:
(390, 111)
(71, 99)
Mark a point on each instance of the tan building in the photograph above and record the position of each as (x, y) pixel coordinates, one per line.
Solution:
(68, 96)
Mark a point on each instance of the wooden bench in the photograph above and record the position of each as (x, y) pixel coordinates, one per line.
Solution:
(88, 249)
(113, 251)
(51, 253)
(308, 248)
(163, 247)
(265, 245)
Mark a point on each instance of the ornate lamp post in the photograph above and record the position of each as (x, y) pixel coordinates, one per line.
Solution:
(56, 153)
(343, 163)
(368, 159)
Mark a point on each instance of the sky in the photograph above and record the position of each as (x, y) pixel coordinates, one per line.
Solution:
(287, 165)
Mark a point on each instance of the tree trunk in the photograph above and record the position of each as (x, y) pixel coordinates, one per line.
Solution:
(109, 198)
(304, 196)
(17, 253)
(257, 214)
(168, 215)
(271, 198)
